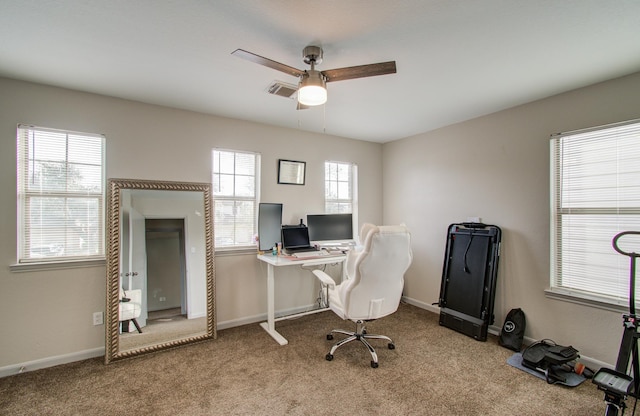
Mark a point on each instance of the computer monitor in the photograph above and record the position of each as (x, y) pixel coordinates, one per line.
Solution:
(330, 227)
(269, 225)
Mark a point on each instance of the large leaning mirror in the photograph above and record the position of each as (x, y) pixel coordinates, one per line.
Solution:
(160, 266)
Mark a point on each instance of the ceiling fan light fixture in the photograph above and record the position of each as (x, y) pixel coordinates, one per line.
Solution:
(312, 89)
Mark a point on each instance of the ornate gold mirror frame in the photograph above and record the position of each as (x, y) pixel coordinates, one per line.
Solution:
(115, 274)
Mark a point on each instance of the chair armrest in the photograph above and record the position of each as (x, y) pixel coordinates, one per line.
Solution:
(324, 278)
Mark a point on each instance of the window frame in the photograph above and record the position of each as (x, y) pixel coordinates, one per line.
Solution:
(234, 198)
(351, 184)
(353, 201)
(617, 266)
(24, 262)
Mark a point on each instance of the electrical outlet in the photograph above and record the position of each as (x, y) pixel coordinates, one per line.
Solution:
(474, 219)
(98, 318)
(163, 299)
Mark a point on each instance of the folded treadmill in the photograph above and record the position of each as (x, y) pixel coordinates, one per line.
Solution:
(467, 291)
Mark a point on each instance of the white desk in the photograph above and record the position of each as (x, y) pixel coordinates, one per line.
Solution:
(281, 261)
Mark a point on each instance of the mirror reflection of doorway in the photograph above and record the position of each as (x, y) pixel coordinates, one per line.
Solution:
(166, 270)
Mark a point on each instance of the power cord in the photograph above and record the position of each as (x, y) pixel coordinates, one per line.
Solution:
(466, 250)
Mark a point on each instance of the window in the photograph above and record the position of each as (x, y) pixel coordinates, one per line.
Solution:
(60, 195)
(339, 186)
(595, 194)
(235, 202)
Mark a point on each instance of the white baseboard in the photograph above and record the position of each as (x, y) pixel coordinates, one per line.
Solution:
(263, 317)
(50, 362)
(431, 308)
(242, 321)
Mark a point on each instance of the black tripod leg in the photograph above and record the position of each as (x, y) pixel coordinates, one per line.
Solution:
(636, 368)
(626, 349)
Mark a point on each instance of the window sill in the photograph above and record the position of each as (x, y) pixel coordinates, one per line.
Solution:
(235, 251)
(56, 265)
(586, 300)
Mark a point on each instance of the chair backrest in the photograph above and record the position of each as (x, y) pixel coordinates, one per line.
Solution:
(374, 284)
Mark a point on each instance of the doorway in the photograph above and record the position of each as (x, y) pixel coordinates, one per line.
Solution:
(166, 270)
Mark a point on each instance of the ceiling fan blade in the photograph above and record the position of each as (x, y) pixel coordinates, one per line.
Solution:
(241, 53)
(360, 71)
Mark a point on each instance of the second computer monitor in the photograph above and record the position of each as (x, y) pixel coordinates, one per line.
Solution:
(330, 227)
(269, 225)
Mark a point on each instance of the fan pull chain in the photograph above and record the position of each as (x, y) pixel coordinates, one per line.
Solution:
(324, 118)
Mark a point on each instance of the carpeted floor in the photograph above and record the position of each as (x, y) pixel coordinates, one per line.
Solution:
(162, 326)
(433, 371)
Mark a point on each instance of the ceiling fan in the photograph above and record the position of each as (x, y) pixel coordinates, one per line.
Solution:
(312, 83)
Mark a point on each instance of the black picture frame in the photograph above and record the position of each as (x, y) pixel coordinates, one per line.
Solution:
(291, 172)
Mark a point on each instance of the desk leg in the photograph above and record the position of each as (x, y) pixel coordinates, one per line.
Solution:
(270, 325)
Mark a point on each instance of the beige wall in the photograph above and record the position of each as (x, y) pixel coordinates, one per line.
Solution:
(497, 167)
(47, 315)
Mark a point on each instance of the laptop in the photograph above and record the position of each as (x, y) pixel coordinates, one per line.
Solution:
(296, 239)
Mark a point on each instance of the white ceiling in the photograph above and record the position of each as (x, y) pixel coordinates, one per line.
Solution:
(456, 59)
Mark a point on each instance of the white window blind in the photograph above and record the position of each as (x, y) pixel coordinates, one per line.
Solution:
(595, 194)
(60, 195)
(235, 190)
(339, 187)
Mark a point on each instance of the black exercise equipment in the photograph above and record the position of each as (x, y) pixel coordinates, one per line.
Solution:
(617, 384)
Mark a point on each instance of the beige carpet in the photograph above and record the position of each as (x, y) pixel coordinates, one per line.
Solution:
(433, 371)
(162, 326)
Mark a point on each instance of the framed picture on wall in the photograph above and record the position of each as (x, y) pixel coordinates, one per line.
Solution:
(291, 172)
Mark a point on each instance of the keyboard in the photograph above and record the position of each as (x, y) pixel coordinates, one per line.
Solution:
(307, 254)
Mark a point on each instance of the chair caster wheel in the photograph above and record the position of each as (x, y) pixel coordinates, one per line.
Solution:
(329, 357)
(329, 337)
(374, 364)
(392, 346)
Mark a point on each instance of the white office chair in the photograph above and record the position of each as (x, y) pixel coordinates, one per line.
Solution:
(130, 308)
(373, 285)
